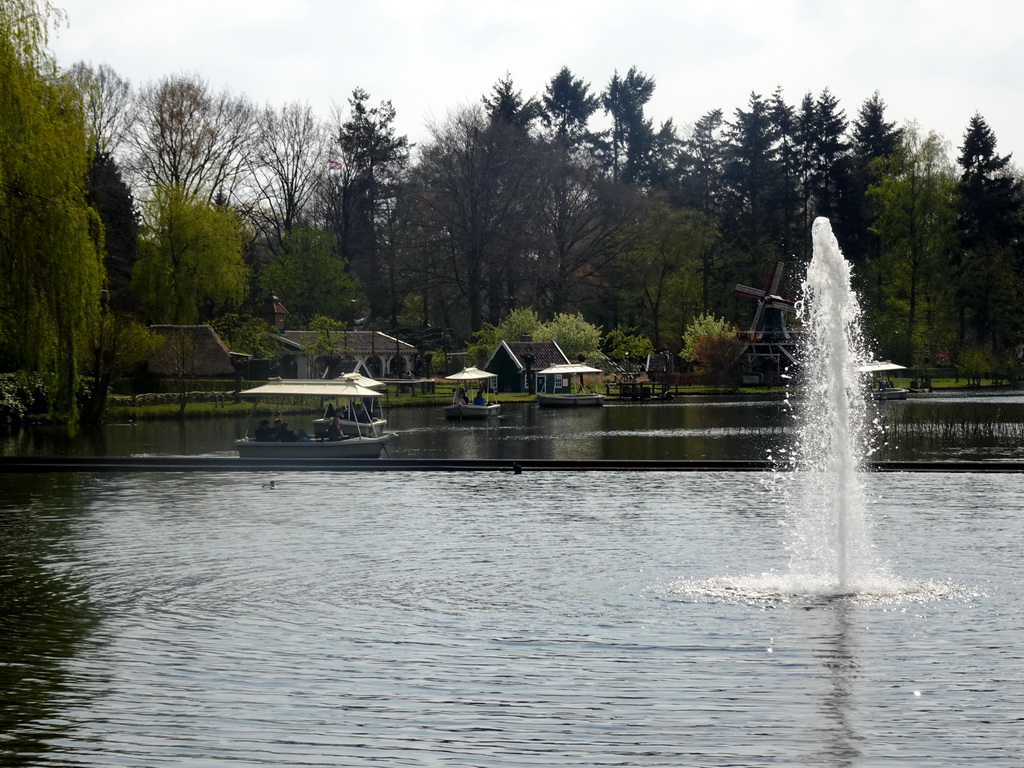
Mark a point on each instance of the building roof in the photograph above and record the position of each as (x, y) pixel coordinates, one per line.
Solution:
(359, 343)
(190, 350)
(544, 354)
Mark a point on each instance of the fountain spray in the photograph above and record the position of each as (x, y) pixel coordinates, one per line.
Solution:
(831, 547)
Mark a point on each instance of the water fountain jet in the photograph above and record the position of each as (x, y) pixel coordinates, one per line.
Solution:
(821, 496)
(827, 505)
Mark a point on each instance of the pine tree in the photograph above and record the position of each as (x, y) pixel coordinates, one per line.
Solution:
(990, 210)
(376, 159)
(872, 137)
(752, 174)
(990, 223)
(507, 106)
(829, 168)
(631, 137)
(805, 139)
(567, 106)
(700, 187)
(792, 231)
(114, 203)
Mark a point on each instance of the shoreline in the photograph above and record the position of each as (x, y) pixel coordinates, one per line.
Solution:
(205, 404)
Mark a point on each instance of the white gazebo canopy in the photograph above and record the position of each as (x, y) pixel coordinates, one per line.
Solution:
(570, 368)
(470, 374)
(310, 388)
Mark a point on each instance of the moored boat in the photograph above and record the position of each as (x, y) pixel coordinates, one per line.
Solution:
(570, 399)
(574, 397)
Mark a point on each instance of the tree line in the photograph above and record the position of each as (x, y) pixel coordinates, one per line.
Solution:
(171, 202)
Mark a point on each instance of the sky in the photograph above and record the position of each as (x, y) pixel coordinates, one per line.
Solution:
(936, 62)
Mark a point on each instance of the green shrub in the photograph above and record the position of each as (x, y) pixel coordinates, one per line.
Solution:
(21, 395)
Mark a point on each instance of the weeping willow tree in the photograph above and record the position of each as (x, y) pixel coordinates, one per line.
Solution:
(190, 257)
(50, 256)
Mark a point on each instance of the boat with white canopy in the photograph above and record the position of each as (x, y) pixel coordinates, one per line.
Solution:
(880, 387)
(279, 441)
(354, 421)
(483, 405)
(561, 375)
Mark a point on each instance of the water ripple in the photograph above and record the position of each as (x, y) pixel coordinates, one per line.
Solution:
(499, 621)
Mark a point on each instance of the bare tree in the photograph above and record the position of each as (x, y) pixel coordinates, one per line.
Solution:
(190, 138)
(359, 202)
(288, 164)
(107, 103)
(472, 200)
(583, 221)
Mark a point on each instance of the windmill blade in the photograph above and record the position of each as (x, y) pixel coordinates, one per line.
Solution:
(757, 317)
(749, 292)
(776, 278)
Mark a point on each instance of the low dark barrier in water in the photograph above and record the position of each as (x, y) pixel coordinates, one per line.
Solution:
(516, 466)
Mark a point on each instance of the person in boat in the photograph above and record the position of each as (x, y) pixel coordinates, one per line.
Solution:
(284, 434)
(479, 399)
(263, 432)
(334, 429)
(460, 397)
(363, 414)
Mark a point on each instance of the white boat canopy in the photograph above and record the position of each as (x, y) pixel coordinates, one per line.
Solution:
(880, 367)
(568, 368)
(470, 374)
(362, 381)
(310, 388)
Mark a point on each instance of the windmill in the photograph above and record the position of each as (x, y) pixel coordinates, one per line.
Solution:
(770, 317)
(770, 344)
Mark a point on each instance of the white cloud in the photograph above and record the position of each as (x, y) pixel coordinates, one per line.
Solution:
(935, 61)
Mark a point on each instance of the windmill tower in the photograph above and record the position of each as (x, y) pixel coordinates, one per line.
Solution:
(770, 345)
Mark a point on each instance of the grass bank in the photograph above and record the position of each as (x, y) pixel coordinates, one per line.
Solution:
(225, 404)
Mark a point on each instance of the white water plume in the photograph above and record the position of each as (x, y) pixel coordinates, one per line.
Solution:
(826, 501)
(820, 491)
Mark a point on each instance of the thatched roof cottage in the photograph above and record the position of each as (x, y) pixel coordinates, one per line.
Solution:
(191, 350)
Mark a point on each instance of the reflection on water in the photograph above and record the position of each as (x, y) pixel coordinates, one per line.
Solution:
(664, 431)
(46, 614)
(931, 428)
(497, 620)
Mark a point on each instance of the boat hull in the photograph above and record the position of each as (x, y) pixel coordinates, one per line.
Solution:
(350, 448)
(893, 393)
(584, 400)
(470, 411)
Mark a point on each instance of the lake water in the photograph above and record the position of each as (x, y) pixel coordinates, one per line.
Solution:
(493, 620)
(929, 428)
